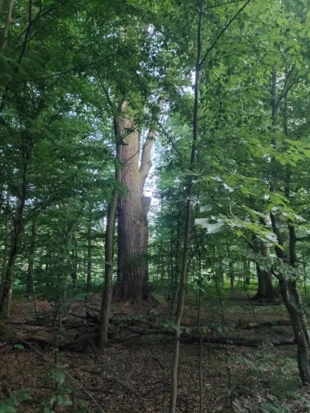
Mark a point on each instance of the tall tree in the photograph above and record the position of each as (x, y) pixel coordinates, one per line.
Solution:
(133, 209)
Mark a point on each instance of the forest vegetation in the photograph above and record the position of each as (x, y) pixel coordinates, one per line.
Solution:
(154, 205)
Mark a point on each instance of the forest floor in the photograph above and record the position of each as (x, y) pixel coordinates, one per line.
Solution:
(247, 374)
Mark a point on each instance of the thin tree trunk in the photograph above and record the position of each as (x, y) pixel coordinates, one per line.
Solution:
(199, 281)
(176, 269)
(6, 240)
(29, 282)
(288, 285)
(7, 24)
(5, 303)
(18, 220)
(109, 250)
(108, 274)
(293, 303)
(89, 259)
(73, 258)
(247, 277)
(180, 307)
(231, 276)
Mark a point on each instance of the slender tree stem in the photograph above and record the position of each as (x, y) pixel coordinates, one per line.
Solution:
(174, 370)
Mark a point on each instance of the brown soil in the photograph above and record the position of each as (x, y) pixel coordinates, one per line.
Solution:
(133, 374)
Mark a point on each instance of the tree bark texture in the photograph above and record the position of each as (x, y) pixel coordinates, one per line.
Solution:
(265, 290)
(133, 208)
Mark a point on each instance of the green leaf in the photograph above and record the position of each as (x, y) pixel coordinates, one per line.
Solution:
(19, 346)
(211, 228)
(6, 408)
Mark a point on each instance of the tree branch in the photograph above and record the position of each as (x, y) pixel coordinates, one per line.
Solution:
(222, 32)
(223, 4)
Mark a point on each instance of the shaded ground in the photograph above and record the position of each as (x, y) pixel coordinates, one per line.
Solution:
(133, 375)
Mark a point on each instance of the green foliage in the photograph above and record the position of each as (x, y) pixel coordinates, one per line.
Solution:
(65, 68)
(10, 405)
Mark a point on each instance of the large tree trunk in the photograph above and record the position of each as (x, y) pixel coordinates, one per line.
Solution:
(131, 233)
(265, 290)
(132, 210)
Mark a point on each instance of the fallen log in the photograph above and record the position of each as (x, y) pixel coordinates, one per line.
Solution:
(80, 342)
(275, 323)
(92, 315)
(235, 341)
(193, 339)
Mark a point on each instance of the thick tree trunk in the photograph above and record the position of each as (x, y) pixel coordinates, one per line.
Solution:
(131, 230)
(265, 287)
(266, 290)
(132, 210)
